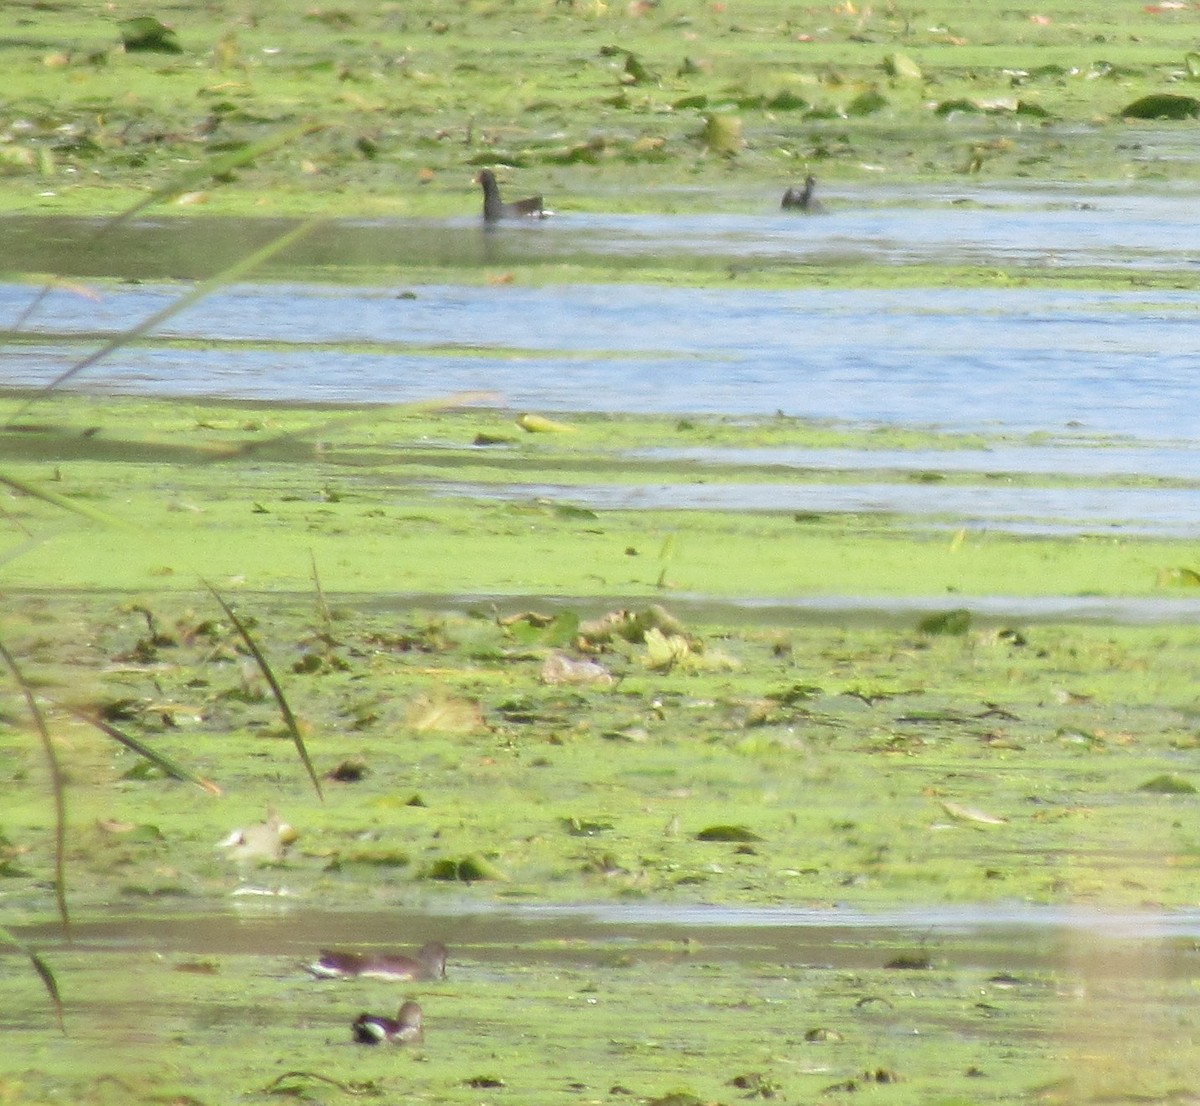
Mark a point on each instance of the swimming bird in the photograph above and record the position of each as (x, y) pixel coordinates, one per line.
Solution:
(495, 208)
(429, 963)
(404, 1028)
(797, 199)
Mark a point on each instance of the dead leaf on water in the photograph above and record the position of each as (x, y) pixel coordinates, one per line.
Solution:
(972, 814)
(665, 650)
(558, 668)
(445, 714)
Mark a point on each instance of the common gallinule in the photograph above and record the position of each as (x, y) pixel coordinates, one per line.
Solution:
(429, 963)
(374, 1029)
(495, 208)
(802, 199)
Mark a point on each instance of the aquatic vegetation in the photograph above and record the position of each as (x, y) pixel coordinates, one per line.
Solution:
(619, 106)
(507, 690)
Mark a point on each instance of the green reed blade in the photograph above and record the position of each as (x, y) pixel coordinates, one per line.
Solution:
(203, 289)
(284, 708)
(57, 783)
(164, 762)
(44, 971)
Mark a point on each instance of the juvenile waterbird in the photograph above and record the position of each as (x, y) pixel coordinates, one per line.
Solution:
(404, 1028)
(429, 963)
(495, 208)
(802, 199)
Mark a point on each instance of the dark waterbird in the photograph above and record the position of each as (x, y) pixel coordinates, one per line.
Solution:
(495, 208)
(802, 199)
(429, 963)
(374, 1029)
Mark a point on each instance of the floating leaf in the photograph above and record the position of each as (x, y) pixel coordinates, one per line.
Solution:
(561, 669)
(1162, 105)
(677, 1098)
(972, 814)
(377, 858)
(629, 626)
(664, 651)
(821, 1033)
(796, 693)
(584, 827)
(635, 72)
(1168, 784)
(949, 107)
(727, 833)
(698, 101)
(537, 424)
(787, 101)
(902, 67)
(957, 621)
(466, 869)
(1178, 578)
(147, 34)
(443, 713)
(722, 134)
(648, 145)
(1192, 61)
(867, 103)
(569, 510)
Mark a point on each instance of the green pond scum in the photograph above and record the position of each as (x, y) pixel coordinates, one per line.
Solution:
(510, 695)
(606, 106)
(592, 743)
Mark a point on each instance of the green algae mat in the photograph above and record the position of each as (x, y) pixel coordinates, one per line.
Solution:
(549, 722)
(576, 709)
(412, 660)
(371, 107)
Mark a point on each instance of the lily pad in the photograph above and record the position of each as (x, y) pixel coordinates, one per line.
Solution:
(902, 68)
(1178, 578)
(464, 869)
(950, 107)
(957, 621)
(867, 103)
(585, 827)
(1168, 784)
(147, 34)
(722, 134)
(788, 101)
(727, 833)
(1162, 105)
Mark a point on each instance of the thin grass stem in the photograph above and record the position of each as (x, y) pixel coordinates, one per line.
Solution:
(289, 718)
(58, 785)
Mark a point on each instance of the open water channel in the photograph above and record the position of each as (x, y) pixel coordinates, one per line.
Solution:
(1096, 385)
